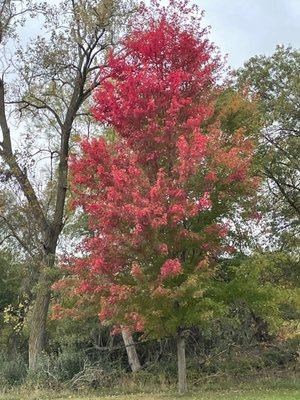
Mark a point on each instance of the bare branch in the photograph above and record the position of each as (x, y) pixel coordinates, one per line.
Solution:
(6, 152)
(17, 236)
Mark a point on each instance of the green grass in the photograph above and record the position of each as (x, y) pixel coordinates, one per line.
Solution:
(263, 388)
(288, 394)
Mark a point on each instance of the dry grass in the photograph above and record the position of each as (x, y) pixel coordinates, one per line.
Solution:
(264, 388)
(238, 394)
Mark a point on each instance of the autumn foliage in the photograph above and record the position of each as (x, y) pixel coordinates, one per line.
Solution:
(158, 191)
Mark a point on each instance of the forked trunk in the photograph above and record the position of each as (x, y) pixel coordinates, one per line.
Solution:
(133, 358)
(181, 360)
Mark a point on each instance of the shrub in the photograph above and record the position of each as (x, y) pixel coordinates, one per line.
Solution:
(12, 371)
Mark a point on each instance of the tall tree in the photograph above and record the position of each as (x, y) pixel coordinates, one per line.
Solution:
(47, 84)
(158, 193)
(275, 82)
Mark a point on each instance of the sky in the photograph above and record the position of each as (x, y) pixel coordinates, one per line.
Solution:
(244, 28)
(240, 28)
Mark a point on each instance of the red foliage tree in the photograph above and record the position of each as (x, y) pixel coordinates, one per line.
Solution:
(157, 194)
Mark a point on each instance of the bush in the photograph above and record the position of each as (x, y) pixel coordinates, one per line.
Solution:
(55, 369)
(12, 371)
(73, 369)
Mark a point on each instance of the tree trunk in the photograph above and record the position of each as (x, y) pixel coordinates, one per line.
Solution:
(133, 358)
(38, 326)
(181, 360)
(40, 313)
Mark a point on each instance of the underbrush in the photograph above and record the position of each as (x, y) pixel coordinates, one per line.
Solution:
(277, 385)
(75, 370)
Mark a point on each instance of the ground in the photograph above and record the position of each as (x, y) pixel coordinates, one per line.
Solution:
(222, 395)
(285, 387)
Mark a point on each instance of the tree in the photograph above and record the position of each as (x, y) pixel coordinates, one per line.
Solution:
(47, 85)
(158, 192)
(274, 81)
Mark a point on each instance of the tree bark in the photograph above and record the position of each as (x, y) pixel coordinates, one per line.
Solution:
(42, 301)
(38, 322)
(181, 360)
(133, 358)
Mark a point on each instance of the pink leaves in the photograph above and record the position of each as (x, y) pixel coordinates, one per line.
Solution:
(190, 154)
(204, 202)
(136, 270)
(170, 268)
(163, 249)
(155, 88)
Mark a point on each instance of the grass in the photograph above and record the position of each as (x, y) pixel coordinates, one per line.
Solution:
(287, 394)
(266, 388)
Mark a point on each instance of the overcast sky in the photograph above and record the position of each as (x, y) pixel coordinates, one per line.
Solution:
(243, 28)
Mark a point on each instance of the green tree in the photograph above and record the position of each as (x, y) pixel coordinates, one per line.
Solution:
(275, 82)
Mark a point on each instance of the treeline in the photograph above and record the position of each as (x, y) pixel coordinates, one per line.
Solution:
(229, 147)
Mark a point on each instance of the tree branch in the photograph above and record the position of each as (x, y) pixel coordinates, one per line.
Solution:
(16, 236)
(6, 152)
